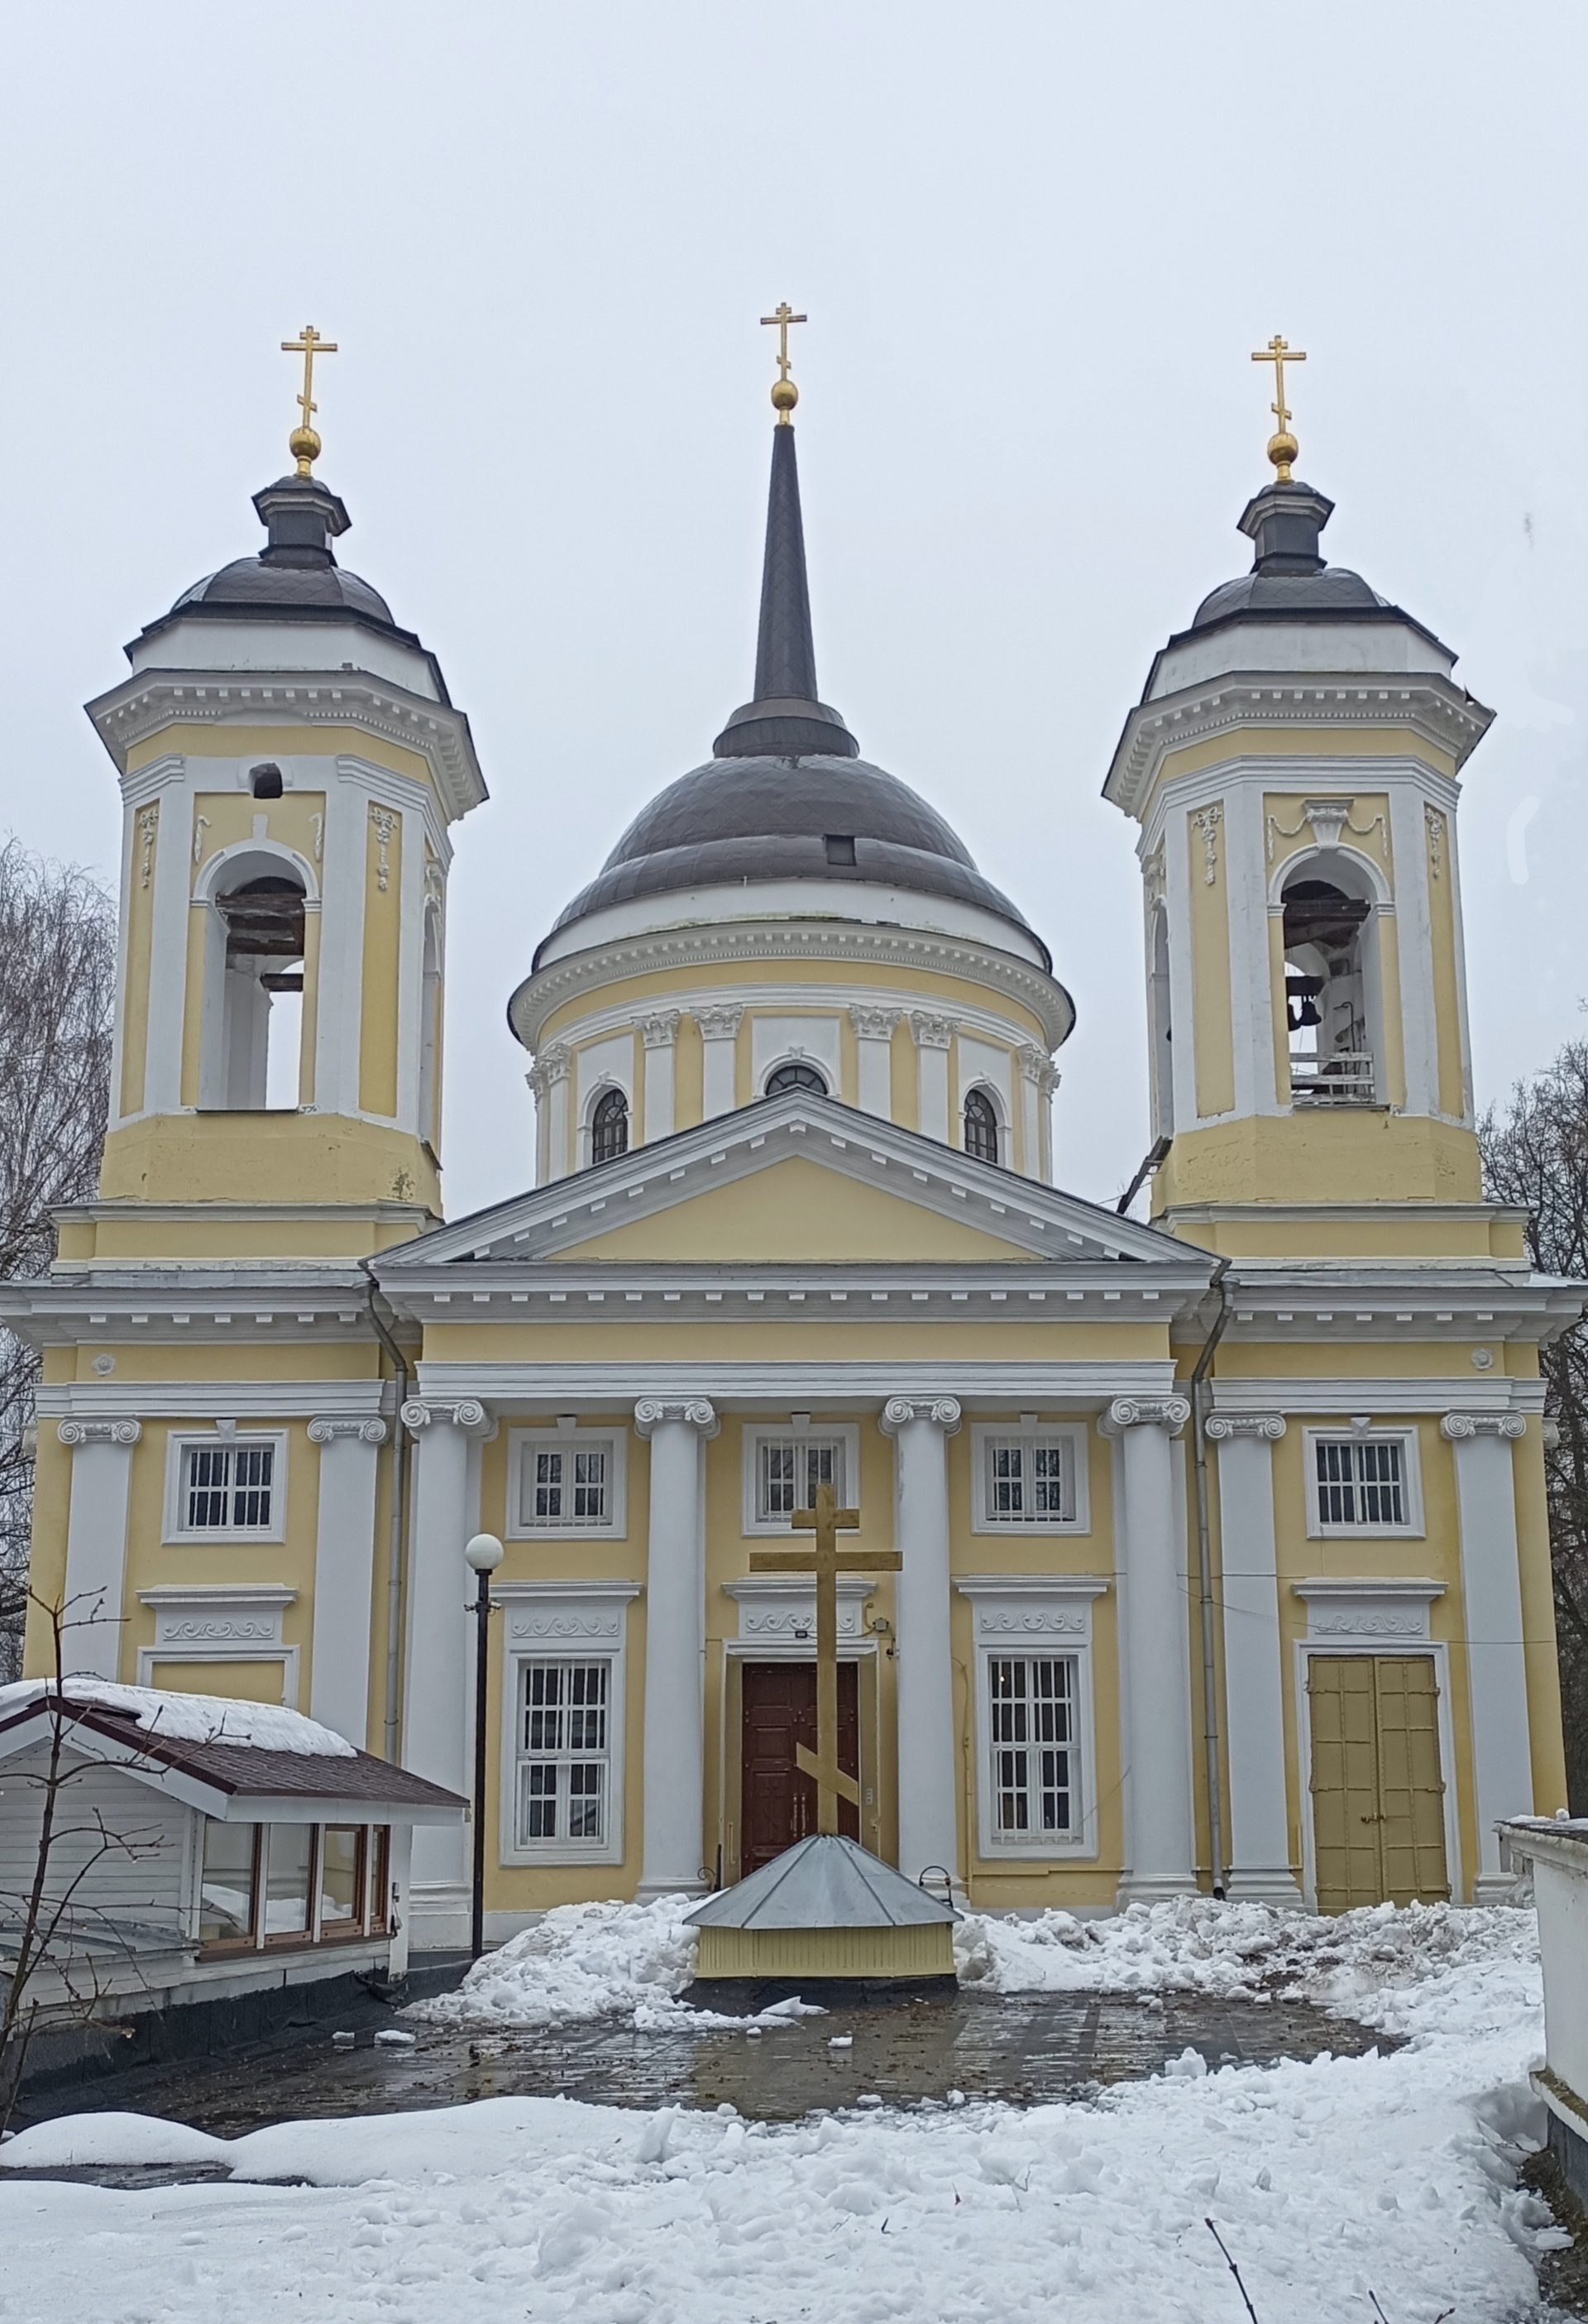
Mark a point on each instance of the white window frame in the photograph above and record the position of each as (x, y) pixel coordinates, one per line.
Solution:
(1072, 1435)
(1035, 1618)
(1408, 1438)
(563, 1622)
(180, 1442)
(523, 1444)
(845, 1433)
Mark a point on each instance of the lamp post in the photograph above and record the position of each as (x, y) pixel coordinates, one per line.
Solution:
(484, 1553)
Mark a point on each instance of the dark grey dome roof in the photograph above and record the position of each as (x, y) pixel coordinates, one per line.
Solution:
(249, 582)
(1326, 591)
(743, 820)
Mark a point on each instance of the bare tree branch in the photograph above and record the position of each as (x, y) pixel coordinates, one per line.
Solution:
(57, 989)
(1536, 1157)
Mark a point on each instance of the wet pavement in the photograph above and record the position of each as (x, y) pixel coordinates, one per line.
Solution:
(1023, 2048)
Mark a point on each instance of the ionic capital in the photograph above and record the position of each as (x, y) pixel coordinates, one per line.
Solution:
(1458, 1427)
(1222, 1426)
(124, 1432)
(1171, 1412)
(899, 1411)
(461, 1412)
(327, 1428)
(695, 1412)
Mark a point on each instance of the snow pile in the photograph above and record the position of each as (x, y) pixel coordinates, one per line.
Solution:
(579, 1963)
(190, 1718)
(1228, 1951)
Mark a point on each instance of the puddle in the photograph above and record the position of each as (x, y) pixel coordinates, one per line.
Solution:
(1025, 2048)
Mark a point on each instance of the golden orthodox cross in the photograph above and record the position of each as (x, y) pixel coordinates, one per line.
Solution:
(784, 317)
(1282, 447)
(824, 1562)
(305, 444)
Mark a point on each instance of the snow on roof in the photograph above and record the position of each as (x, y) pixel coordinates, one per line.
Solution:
(825, 1882)
(190, 1718)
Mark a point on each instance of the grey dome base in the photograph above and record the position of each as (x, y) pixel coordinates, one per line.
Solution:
(248, 583)
(1328, 591)
(820, 817)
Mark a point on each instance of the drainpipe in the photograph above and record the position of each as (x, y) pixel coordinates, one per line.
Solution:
(395, 1575)
(1205, 1583)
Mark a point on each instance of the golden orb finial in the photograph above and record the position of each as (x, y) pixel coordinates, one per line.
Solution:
(303, 443)
(784, 394)
(1282, 447)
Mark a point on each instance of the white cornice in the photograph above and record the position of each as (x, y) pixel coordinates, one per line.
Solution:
(146, 703)
(1430, 706)
(807, 1000)
(762, 939)
(257, 1399)
(1392, 1398)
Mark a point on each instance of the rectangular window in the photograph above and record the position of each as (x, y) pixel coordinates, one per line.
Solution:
(228, 1883)
(1361, 1483)
(1028, 1480)
(228, 1486)
(564, 1753)
(289, 1851)
(788, 1469)
(568, 1482)
(342, 1879)
(1033, 1731)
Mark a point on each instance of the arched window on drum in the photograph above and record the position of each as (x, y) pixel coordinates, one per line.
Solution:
(608, 1127)
(981, 1127)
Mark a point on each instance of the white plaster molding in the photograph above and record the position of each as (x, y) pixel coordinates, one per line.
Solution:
(99, 1431)
(1222, 1426)
(465, 1412)
(209, 1400)
(930, 1031)
(720, 1021)
(1369, 1608)
(325, 1427)
(210, 1614)
(872, 1023)
(775, 1609)
(1008, 1607)
(1395, 1398)
(659, 1029)
(944, 1412)
(1458, 1427)
(832, 1385)
(1170, 1412)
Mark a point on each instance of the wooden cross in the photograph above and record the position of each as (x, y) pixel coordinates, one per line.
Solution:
(823, 1560)
(1279, 353)
(308, 344)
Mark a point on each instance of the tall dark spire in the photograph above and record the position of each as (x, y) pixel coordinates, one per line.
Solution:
(785, 720)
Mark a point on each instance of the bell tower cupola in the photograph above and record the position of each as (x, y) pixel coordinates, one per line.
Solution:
(291, 766)
(1294, 768)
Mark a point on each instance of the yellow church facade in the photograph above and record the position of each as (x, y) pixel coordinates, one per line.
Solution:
(1225, 1552)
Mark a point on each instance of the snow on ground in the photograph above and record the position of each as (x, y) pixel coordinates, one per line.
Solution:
(1327, 2180)
(190, 1718)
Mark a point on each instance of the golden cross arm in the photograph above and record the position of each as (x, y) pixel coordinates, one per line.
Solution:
(780, 322)
(810, 1560)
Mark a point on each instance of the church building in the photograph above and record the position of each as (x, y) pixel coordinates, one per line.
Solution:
(1225, 1552)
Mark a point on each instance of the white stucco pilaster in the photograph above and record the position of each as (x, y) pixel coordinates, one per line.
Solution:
(435, 1677)
(928, 1790)
(659, 1032)
(720, 1047)
(874, 1050)
(933, 1036)
(1492, 1594)
(344, 1572)
(96, 1543)
(1162, 1853)
(1260, 1868)
(674, 1646)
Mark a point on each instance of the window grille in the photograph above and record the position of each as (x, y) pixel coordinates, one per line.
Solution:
(1035, 1764)
(788, 1470)
(1028, 1480)
(1361, 1482)
(796, 1077)
(981, 1127)
(567, 1487)
(608, 1127)
(564, 1752)
(229, 1487)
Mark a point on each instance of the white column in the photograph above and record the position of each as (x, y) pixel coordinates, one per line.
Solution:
(1259, 1869)
(933, 1036)
(674, 1646)
(660, 1033)
(551, 1063)
(928, 1826)
(96, 1543)
(719, 1046)
(436, 1668)
(345, 1573)
(1162, 1852)
(1497, 1668)
(874, 1046)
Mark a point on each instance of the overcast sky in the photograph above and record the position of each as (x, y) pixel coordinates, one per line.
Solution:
(1036, 244)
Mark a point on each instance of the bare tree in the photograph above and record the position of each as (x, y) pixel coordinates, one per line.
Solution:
(57, 989)
(1536, 1157)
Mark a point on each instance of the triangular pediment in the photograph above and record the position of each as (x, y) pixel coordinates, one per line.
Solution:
(795, 1178)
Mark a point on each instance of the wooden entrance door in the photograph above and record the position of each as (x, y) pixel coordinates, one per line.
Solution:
(777, 1805)
(1378, 1799)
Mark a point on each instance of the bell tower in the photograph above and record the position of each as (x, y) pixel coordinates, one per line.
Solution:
(1293, 767)
(290, 767)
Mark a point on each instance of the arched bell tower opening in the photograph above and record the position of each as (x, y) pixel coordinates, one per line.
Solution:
(1333, 1002)
(257, 941)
